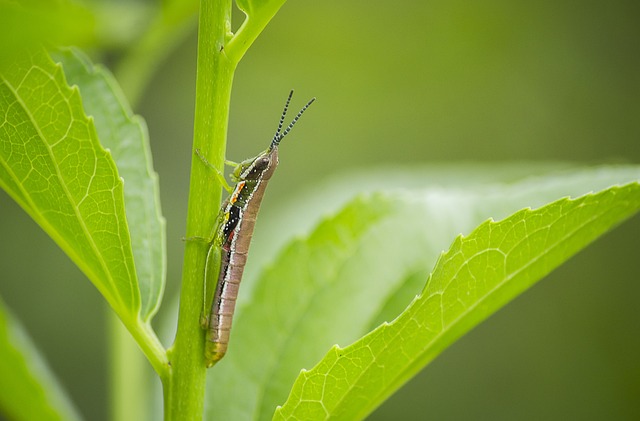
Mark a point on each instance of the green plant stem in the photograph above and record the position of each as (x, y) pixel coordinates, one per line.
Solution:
(184, 389)
(129, 375)
(150, 345)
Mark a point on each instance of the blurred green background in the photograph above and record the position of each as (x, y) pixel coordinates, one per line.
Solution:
(414, 82)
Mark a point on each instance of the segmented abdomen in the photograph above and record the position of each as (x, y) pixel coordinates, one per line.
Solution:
(237, 232)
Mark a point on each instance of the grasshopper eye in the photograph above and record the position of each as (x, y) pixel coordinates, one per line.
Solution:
(261, 163)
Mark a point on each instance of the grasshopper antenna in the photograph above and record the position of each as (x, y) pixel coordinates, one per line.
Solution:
(279, 134)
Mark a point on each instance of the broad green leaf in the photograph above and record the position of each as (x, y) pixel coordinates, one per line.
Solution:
(52, 164)
(472, 183)
(459, 197)
(477, 276)
(28, 390)
(334, 244)
(126, 137)
(317, 292)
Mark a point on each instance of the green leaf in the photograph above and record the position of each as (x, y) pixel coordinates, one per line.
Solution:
(362, 266)
(267, 333)
(480, 190)
(52, 164)
(28, 390)
(477, 276)
(126, 137)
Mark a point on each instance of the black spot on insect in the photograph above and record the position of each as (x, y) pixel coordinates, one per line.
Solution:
(232, 222)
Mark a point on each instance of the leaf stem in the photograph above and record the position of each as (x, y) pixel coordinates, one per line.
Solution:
(184, 389)
(150, 345)
(129, 375)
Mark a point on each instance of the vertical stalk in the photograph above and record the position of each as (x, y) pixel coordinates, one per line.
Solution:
(184, 387)
(130, 375)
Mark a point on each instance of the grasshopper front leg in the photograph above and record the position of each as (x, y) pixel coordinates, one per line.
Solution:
(219, 176)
